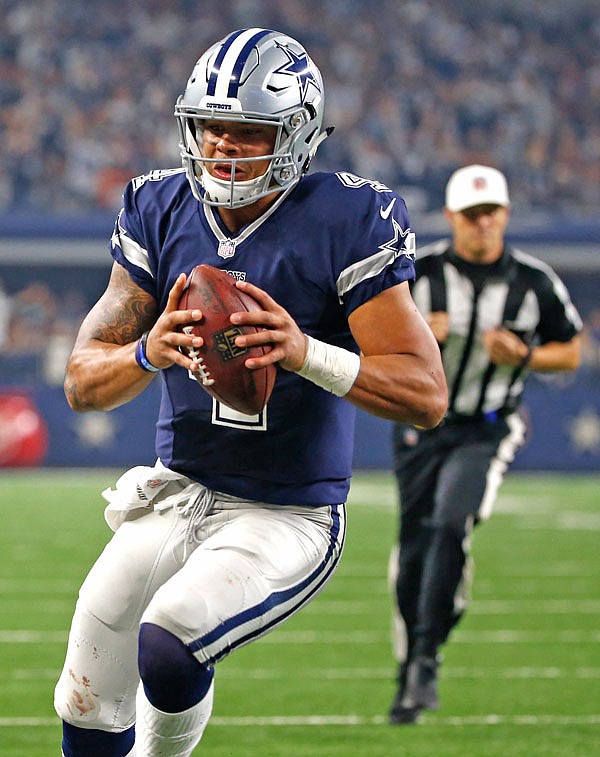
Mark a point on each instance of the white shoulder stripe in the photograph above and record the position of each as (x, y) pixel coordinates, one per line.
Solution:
(133, 252)
(363, 270)
(402, 243)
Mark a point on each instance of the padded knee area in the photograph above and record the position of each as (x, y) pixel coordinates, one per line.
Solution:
(173, 678)
(98, 683)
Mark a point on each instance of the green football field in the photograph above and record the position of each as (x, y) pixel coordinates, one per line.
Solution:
(520, 677)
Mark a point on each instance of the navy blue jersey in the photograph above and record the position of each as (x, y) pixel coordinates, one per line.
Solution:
(321, 250)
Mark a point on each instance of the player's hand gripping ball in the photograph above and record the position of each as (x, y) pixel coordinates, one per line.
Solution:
(222, 372)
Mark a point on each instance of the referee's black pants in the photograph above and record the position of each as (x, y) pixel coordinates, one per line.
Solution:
(447, 478)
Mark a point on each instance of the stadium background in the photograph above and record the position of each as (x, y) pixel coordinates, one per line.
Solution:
(414, 89)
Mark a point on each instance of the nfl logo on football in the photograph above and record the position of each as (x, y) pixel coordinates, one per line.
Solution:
(226, 248)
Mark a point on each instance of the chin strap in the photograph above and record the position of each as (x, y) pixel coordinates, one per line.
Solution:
(237, 190)
(321, 138)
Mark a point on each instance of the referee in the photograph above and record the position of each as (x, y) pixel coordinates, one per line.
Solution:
(496, 313)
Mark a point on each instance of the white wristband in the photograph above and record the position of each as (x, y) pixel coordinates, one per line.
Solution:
(332, 368)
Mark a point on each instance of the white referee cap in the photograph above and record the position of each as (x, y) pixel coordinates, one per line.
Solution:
(476, 185)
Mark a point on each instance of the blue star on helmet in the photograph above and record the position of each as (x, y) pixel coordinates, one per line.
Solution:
(298, 65)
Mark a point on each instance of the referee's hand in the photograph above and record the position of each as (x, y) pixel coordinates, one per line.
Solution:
(504, 347)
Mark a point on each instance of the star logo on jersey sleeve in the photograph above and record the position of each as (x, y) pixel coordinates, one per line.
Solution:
(402, 243)
(115, 239)
(298, 66)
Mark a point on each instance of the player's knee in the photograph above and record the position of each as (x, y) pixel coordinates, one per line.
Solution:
(82, 707)
(85, 692)
(173, 678)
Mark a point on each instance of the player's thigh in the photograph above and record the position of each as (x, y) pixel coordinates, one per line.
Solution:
(141, 556)
(253, 572)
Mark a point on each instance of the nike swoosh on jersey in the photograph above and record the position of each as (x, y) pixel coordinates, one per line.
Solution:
(385, 212)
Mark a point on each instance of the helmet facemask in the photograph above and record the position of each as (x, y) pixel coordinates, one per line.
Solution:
(230, 193)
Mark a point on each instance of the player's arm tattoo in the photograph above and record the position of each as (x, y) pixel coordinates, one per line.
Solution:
(123, 312)
(119, 317)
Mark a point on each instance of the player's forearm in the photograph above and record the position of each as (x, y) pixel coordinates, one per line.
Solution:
(102, 376)
(400, 388)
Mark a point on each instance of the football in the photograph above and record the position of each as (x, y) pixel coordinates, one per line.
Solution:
(222, 372)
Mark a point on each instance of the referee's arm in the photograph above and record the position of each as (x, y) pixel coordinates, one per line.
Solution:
(505, 348)
(556, 356)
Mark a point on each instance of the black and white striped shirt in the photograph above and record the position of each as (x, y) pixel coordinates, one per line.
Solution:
(517, 292)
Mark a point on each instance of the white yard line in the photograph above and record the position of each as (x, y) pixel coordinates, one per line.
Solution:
(280, 637)
(478, 606)
(345, 720)
(352, 674)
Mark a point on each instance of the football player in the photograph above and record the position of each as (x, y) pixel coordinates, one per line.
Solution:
(222, 540)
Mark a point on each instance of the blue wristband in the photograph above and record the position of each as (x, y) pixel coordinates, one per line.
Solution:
(140, 355)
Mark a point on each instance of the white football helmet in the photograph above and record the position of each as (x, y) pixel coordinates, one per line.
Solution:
(255, 76)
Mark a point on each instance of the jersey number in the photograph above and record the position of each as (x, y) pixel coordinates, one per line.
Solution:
(226, 416)
(356, 182)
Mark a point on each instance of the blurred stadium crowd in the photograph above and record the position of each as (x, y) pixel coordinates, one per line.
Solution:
(414, 88)
(38, 326)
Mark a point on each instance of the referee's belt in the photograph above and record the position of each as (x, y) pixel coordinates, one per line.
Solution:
(490, 417)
